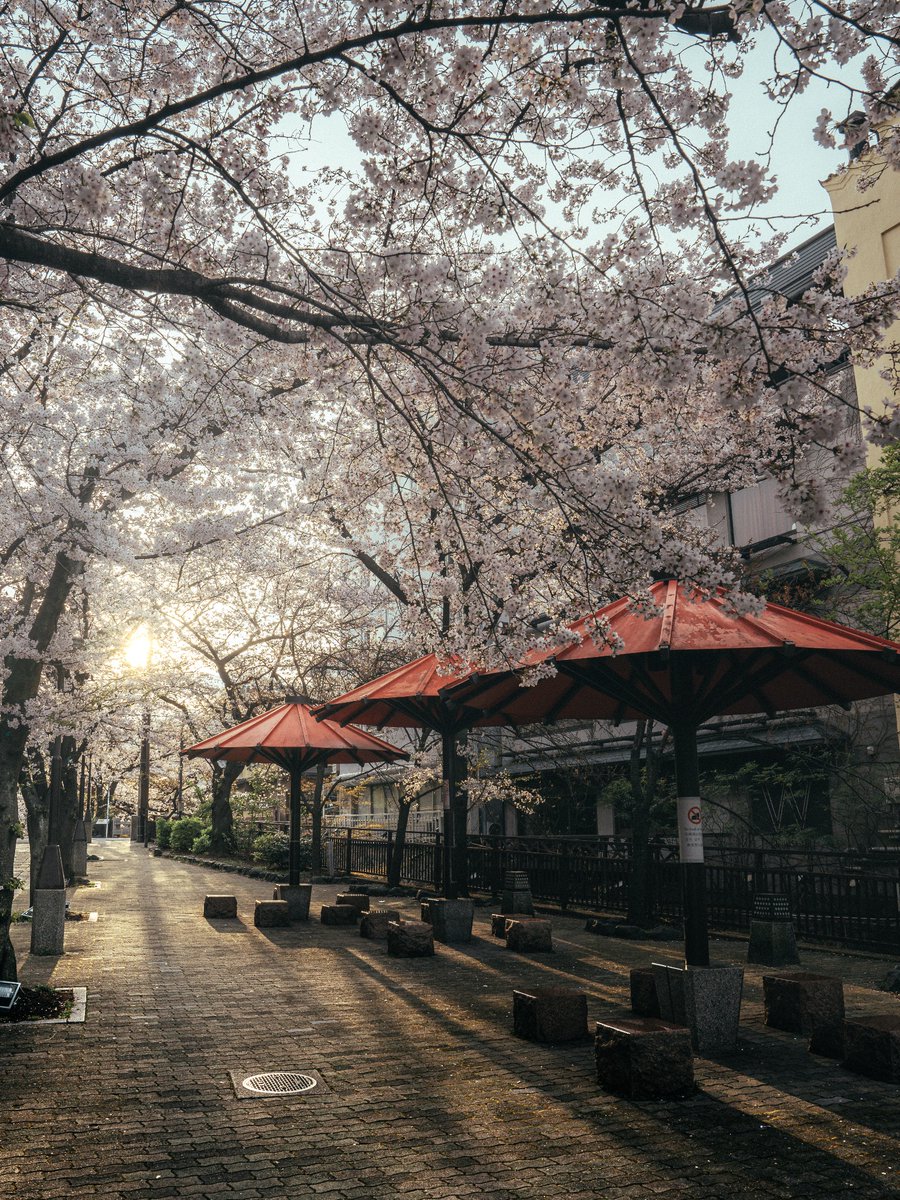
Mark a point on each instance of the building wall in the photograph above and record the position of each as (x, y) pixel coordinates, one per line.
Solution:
(865, 198)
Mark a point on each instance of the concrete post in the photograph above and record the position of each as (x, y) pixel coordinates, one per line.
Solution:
(49, 910)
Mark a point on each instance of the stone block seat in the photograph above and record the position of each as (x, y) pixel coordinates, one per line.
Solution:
(338, 914)
(359, 902)
(550, 1014)
(872, 1046)
(812, 1005)
(220, 906)
(642, 1058)
(529, 935)
(271, 914)
(498, 924)
(410, 939)
(374, 923)
(644, 998)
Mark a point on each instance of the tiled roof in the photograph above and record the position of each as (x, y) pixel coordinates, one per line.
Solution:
(792, 274)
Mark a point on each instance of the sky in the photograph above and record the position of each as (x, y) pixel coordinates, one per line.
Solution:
(798, 162)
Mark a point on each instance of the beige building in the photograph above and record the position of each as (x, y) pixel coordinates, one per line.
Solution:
(865, 199)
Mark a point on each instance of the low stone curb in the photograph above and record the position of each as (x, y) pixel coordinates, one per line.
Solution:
(659, 933)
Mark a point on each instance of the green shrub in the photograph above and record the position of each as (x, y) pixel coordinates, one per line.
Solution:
(184, 833)
(201, 842)
(163, 832)
(272, 850)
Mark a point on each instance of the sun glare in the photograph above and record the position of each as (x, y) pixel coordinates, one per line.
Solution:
(138, 648)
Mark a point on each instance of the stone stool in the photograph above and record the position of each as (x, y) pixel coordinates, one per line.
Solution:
(533, 934)
(644, 1059)
(872, 1046)
(498, 924)
(220, 906)
(338, 914)
(410, 939)
(813, 1005)
(374, 923)
(271, 914)
(358, 902)
(425, 910)
(550, 1014)
(644, 1000)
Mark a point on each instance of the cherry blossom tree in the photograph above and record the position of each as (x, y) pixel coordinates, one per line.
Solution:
(115, 450)
(243, 625)
(489, 353)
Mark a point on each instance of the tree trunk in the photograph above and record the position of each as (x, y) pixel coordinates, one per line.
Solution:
(35, 788)
(221, 840)
(12, 749)
(395, 866)
(68, 808)
(316, 806)
(21, 685)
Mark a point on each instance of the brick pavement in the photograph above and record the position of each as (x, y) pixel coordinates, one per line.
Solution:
(429, 1096)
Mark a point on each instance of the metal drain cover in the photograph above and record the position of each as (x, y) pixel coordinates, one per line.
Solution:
(279, 1083)
(262, 1084)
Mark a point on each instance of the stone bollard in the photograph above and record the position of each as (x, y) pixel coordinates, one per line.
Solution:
(79, 851)
(297, 897)
(48, 924)
(88, 831)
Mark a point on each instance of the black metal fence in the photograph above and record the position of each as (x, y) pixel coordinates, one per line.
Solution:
(856, 907)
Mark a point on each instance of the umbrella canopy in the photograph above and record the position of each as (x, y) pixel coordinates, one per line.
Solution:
(691, 660)
(414, 697)
(290, 737)
(409, 697)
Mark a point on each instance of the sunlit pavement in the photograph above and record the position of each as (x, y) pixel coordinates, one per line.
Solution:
(426, 1093)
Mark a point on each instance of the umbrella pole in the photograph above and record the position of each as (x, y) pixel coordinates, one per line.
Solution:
(690, 842)
(448, 770)
(294, 852)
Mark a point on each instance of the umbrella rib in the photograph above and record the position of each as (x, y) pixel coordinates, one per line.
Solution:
(743, 682)
(572, 690)
(614, 687)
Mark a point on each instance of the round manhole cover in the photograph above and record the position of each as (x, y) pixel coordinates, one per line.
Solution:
(279, 1083)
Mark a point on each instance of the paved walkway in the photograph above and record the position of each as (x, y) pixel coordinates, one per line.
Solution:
(428, 1093)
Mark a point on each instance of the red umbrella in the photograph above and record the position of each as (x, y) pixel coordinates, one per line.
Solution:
(414, 696)
(290, 737)
(693, 660)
